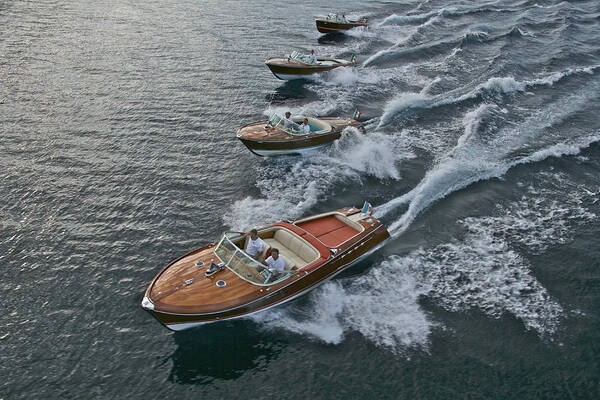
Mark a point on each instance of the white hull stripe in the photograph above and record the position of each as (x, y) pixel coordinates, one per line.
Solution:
(266, 153)
(290, 77)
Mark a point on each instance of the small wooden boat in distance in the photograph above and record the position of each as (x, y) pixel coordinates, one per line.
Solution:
(336, 23)
(295, 66)
(316, 248)
(280, 136)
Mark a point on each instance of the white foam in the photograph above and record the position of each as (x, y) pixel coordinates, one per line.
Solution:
(479, 158)
(382, 305)
(292, 185)
(349, 77)
(405, 36)
(500, 85)
(404, 101)
(476, 35)
(549, 80)
(545, 215)
(482, 272)
(360, 32)
(408, 19)
(375, 153)
(472, 121)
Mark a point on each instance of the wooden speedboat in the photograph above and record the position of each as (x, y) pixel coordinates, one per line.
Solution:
(314, 249)
(336, 23)
(295, 66)
(279, 136)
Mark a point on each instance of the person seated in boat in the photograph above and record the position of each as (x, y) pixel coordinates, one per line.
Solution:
(275, 264)
(288, 119)
(255, 245)
(311, 58)
(305, 127)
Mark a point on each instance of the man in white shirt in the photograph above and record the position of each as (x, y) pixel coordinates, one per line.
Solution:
(275, 264)
(311, 58)
(305, 127)
(255, 245)
(288, 119)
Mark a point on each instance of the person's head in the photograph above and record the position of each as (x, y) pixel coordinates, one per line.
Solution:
(275, 253)
(312, 52)
(288, 114)
(305, 121)
(253, 234)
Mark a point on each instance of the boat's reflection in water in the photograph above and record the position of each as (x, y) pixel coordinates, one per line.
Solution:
(294, 89)
(333, 38)
(221, 351)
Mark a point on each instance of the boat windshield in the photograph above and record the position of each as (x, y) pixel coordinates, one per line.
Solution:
(285, 125)
(242, 264)
(337, 18)
(298, 57)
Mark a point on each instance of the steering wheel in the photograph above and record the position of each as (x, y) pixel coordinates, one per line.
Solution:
(267, 275)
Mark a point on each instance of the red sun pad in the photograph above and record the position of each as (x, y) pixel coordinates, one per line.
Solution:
(338, 236)
(322, 226)
(329, 230)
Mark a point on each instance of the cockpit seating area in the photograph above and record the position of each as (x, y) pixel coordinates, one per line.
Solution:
(295, 251)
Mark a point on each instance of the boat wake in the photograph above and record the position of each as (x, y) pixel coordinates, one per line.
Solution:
(385, 311)
(454, 11)
(485, 269)
(481, 272)
(493, 86)
(482, 154)
(292, 185)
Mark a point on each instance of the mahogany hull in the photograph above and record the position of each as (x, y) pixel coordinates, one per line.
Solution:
(264, 143)
(288, 70)
(352, 251)
(271, 148)
(327, 26)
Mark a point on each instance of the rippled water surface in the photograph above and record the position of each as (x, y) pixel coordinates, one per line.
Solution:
(118, 155)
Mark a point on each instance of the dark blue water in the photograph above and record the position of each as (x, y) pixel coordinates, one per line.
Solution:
(118, 154)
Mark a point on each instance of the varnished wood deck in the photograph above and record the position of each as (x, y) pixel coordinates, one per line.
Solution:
(181, 293)
(202, 293)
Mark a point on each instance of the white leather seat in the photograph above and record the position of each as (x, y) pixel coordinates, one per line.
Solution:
(294, 250)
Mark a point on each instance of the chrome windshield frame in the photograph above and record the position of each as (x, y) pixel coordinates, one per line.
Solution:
(276, 121)
(248, 262)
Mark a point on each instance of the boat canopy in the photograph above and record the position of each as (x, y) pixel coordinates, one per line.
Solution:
(316, 126)
(242, 264)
